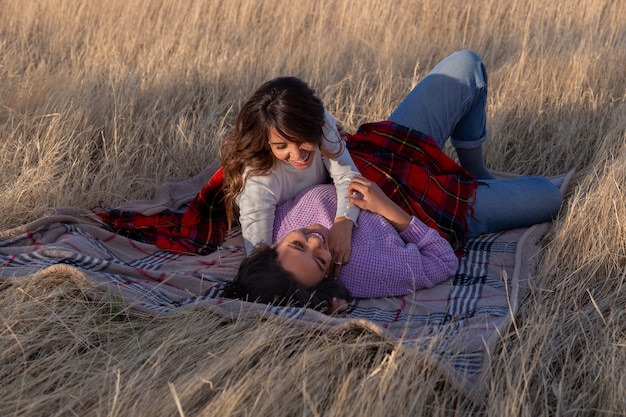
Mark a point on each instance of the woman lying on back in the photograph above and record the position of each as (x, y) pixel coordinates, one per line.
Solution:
(393, 253)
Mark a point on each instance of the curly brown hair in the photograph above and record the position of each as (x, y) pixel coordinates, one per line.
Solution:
(285, 104)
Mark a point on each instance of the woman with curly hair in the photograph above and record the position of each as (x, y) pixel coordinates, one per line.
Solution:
(284, 141)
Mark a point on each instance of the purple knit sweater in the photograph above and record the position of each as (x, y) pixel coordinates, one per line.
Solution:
(383, 262)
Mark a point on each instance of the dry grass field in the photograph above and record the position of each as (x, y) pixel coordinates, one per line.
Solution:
(103, 101)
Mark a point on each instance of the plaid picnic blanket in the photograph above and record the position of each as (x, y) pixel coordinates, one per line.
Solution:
(406, 164)
(456, 324)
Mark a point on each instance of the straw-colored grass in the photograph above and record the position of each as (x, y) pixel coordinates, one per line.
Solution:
(103, 101)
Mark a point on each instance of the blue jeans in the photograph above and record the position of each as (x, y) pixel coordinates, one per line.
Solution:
(450, 102)
(510, 203)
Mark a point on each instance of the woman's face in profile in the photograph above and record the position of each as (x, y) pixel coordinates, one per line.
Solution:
(305, 254)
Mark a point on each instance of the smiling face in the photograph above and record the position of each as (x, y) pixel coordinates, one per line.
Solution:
(305, 254)
(299, 155)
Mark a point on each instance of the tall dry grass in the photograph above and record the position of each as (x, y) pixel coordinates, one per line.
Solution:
(102, 101)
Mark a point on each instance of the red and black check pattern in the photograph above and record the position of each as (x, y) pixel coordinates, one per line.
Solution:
(411, 169)
(200, 229)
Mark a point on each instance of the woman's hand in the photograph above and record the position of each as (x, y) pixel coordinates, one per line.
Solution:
(339, 244)
(343, 134)
(339, 305)
(367, 195)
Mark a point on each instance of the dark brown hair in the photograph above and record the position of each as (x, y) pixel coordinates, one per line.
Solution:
(262, 279)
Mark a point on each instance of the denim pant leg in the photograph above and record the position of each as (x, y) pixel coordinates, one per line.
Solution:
(511, 203)
(449, 102)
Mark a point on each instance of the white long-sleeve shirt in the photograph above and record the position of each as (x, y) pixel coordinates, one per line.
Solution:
(262, 193)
